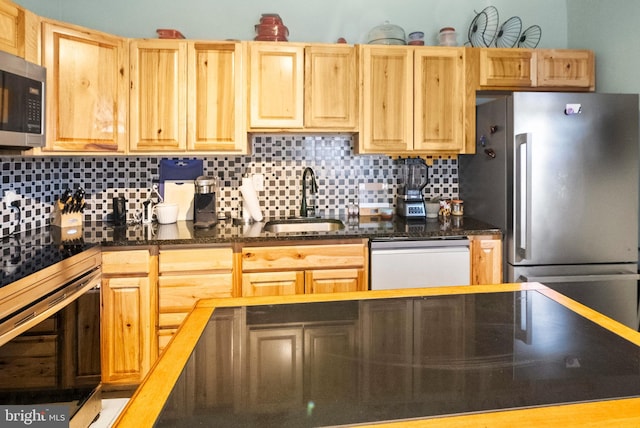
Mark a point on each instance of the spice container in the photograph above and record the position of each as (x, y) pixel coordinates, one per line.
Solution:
(457, 207)
(447, 37)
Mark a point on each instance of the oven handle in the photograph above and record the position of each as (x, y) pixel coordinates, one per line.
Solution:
(29, 316)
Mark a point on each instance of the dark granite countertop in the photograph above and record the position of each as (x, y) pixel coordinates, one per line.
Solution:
(183, 232)
(30, 251)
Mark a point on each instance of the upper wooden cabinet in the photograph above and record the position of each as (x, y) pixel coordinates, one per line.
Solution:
(331, 87)
(158, 98)
(276, 85)
(413, 100)
(216, 117)
(19, 32)
(386, 99)
(87, 93)
(552, 69)
(440, 103)
(506, 67)
(187, 96)
(566, 69)
(11, 28)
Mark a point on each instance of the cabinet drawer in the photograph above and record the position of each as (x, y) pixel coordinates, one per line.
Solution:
(170, 320)
(303, 257)
(124, 262)
(272, 283)
(183, 291)
(195, 259)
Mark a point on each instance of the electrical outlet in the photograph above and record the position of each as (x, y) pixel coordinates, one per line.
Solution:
(10, 196)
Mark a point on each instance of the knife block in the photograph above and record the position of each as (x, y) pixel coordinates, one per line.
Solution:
(64, 220)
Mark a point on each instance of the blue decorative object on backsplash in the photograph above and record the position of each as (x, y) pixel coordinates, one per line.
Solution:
(280, 158)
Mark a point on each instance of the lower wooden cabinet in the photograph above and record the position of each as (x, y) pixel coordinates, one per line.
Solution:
(486, 260)
(297, 269)
(128, 342)
(187, 274)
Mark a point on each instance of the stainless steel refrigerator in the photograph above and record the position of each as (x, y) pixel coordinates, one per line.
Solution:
(558, 172)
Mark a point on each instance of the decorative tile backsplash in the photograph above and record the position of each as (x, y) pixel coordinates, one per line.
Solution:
(280, 158)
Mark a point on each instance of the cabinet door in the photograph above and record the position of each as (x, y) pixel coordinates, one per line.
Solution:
(158, 95)
(330, 369)
(127, 328)
(81, 347)
(272, 283)
(440, 100)
(216, 108)
(386, 76)
(508, 68)
(334, 281)
(87, 97)
(331, 87)
(275, 369)
(12, 28)
(566, 68)
(276, 85)
(486, 261)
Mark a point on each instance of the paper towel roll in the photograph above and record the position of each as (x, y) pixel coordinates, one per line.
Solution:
(251, 200)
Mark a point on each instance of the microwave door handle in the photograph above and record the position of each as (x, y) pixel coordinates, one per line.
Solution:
(523, 196)
(581, 278)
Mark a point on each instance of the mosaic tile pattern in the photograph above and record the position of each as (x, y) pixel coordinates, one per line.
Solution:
(279, 158)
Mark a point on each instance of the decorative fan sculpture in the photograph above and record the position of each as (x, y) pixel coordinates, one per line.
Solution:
(509, 33)
(530, 37)
(483, 28)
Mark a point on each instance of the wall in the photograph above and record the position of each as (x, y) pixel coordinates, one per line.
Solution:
(40, 180)
(316, 21)
(609, 28)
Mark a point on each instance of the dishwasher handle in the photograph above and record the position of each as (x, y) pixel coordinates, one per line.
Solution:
(418, 244)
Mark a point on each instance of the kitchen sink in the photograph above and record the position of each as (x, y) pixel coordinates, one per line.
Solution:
(303, 224)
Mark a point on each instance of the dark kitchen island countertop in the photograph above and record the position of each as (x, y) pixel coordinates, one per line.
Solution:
(501, 356)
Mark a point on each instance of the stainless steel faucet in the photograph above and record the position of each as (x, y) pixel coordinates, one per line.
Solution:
(305, 210)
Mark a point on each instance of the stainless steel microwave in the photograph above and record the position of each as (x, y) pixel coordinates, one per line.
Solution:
(22, 103)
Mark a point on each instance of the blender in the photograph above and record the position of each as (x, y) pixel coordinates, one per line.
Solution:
(413, 178)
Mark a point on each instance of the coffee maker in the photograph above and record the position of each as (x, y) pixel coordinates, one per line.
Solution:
(204, 202)
(413, 178)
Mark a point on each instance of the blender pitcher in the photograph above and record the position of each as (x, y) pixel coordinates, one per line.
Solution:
(413, 178)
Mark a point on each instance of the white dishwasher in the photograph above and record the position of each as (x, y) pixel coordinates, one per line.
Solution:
(419, 263)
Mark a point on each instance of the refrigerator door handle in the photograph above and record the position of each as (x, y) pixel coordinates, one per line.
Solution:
(523, 196)
(581, 278)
